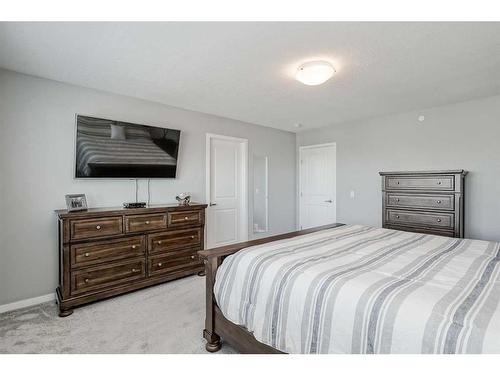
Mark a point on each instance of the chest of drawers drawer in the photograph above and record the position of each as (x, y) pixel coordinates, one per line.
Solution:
(91, 253)
(101, 277)
(427, 219)
(140, 223)
(421, 201)
(423, 230)
(164, 264)
(90, 228)
(173, 240)
(184, 218)
(420, 183)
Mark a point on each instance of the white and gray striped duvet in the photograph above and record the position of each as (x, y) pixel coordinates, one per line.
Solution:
(358, 289)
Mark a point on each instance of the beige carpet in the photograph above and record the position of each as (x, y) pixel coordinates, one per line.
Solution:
(164, 319)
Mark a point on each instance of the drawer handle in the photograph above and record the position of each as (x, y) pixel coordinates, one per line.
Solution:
(398, 182)
(87, 254)
(397, 216)
(147, 221)
(192, 237)
(98, 227)
(134, 246)
(86, 281)
(160, 264)
(135, 270)
(439, 182)
(186, 218)
(439, 202)
(192, 256)
(438, 220)
(159, 242)
(397, 199)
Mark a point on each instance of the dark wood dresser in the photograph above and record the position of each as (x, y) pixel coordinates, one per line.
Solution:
(104, 252)
(425, 202)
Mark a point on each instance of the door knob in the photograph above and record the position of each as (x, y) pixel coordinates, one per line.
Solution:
(213, 204)
(328, 201)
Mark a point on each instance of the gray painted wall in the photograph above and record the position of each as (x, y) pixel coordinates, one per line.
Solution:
(36, 170)
(464, 135)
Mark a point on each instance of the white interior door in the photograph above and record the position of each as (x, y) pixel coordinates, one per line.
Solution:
(227, 216)
(317, 170)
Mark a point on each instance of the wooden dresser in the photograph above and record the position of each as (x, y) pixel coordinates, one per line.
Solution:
(104, 252)
(426, 202)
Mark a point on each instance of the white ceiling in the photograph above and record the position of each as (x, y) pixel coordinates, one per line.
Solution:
(245, 71)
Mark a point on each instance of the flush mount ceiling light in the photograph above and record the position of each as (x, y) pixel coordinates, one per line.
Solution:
(314, 72)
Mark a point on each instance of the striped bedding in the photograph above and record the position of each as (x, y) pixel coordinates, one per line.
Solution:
(105, 150)
(359, 289)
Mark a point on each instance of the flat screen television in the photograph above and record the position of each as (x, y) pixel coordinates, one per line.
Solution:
(116, 149)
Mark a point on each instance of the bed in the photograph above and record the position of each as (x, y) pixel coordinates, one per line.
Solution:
(354, 289)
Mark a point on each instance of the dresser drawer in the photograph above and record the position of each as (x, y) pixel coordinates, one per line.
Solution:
(434, 231)
(89, 228)
(99, 277)
(437, 220)
(141, 223)
(182, 261)
(425, 201)
(110, 250)
(183, 218)
(173, 240)
(424, 183)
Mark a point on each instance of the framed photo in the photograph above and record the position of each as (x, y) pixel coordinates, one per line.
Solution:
(76, 202)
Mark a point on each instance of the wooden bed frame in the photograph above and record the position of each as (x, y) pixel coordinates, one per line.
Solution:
(216, 325)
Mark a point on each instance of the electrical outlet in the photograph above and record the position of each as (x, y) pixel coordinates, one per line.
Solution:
(352, 195)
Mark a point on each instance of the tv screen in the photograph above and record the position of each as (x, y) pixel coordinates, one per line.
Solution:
(116, 149)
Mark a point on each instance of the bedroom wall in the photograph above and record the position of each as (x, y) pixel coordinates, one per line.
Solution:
(36, 170)
(460, 136)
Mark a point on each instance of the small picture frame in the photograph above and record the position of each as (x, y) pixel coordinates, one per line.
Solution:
(76, 202)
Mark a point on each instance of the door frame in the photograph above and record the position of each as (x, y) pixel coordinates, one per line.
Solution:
(243, 207)
(299, 168)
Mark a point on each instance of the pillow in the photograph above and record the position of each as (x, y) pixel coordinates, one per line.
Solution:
(117, 132)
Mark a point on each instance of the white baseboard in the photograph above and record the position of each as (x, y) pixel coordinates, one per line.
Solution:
(27, 302)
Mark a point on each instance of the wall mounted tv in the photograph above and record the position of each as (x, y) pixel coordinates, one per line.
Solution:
(116, 149)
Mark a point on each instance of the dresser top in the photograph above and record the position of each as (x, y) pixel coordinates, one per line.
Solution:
(125, 211)
(401, 173)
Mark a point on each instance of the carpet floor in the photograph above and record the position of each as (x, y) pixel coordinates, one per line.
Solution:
(168, 318)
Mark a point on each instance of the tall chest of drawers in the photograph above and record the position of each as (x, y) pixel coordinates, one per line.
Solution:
(425, 202)
(106, 252)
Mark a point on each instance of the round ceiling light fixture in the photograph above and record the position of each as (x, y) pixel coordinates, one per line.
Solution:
(314, 72)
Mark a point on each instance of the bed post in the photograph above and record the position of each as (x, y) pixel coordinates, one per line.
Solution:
(213, 340)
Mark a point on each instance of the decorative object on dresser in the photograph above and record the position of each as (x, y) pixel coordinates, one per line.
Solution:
(183, 199)
(424, 201)
(104, 252)
(76, 202)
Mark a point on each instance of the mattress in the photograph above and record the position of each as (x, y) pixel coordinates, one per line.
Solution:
(360, 289)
